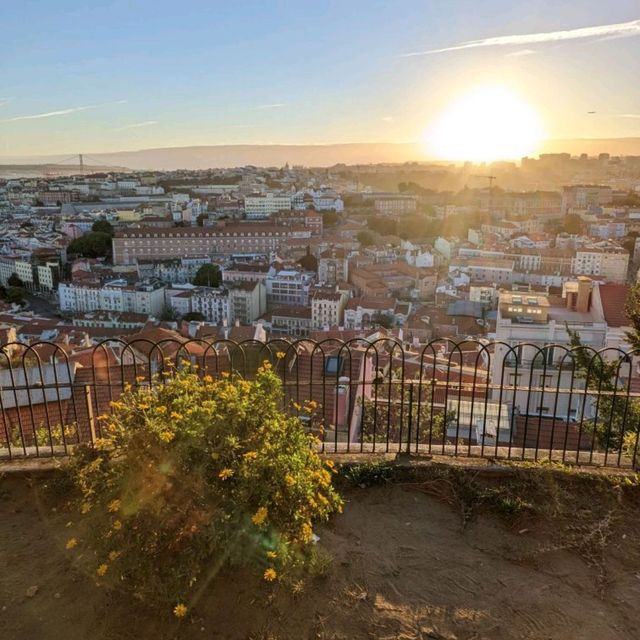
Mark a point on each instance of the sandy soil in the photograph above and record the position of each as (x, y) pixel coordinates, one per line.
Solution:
(403, 567)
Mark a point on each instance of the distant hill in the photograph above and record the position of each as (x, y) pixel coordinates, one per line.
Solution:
(219, 156)
(49, 170)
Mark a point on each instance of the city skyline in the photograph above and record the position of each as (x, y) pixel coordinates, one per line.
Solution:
(116, 76)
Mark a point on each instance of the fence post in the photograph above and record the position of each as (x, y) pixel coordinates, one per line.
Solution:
(404, 457)
(92, 424)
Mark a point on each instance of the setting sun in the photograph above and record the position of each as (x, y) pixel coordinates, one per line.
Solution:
(488, 123)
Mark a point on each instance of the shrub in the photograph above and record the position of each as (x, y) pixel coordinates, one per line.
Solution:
(195, 474)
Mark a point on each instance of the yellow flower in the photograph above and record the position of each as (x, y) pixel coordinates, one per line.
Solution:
(114, 555)
(330, 464)
(280, 355)
(143, 406)
(102, 569)
(289, 479)
(297, 406)
(113, 506)
(270, 574)
(260, 516)
(306, 533)
(207, 379)
(176, 416)
(250, 455)
(139, 378)
(272, 554)
(161, 409)
(180, 610)
(225, 473)
(167, 436)
(86, 507)
(117, 525)
(102, 444)
(224, 374)
(71, 542)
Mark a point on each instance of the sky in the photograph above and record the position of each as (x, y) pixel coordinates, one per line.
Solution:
(113, 75)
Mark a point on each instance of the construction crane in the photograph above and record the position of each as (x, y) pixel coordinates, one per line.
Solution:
(490, 179)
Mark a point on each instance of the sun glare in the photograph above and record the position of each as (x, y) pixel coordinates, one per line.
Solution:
(488, 123)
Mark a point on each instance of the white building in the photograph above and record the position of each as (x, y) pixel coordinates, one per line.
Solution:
(247, 301)
(327, 309)
(288, 287)
(607, 260)
(143, 297)
(261, 206)
(532, 340)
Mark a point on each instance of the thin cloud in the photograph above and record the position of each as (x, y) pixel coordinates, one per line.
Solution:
(520, 53)
(275, 105)
(137, 125)
(388, 119)
(60, 112)
(630, 115)
(4, 101)
(622, 29)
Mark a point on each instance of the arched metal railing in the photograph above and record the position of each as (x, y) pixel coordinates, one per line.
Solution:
(469, 398)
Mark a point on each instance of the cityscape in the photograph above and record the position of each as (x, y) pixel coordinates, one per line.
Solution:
(331, 252)
(320, 320)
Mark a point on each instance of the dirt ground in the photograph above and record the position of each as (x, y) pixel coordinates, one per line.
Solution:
(409, 562)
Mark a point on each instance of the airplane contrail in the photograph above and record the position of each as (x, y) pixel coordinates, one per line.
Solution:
(622, 29)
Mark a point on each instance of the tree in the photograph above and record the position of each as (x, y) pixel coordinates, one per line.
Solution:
(365, 238)
(329, 218)
(383, 226)
(12, 295)
(308, 261)
(168, 314)
(572, 223)
(194, 316)
(208, 275)
(15, 281)
(96, 244)
(616, 425)
(388, 408)
(384, 320)
(103, 226)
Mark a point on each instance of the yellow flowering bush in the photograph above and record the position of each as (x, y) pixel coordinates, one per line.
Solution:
(198, 473)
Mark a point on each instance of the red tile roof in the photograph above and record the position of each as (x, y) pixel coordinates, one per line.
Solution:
(613, 297)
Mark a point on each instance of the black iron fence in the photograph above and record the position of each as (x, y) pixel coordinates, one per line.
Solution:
(471, 398)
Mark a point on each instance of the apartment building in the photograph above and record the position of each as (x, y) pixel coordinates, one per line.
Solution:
(212, 303)
(177, 271)
(333, 266)
(117, 295)
(583, 196)
(260, 206)
(606, 259)
(532, 339)
(393, 204)
(327, 309)
(247, 301)
(394, 278)
(131, 244)
(289, 321)
(361, 313)
(288, 287)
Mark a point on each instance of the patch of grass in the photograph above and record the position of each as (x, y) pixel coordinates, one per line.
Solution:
(320, 563)
(369, 474)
